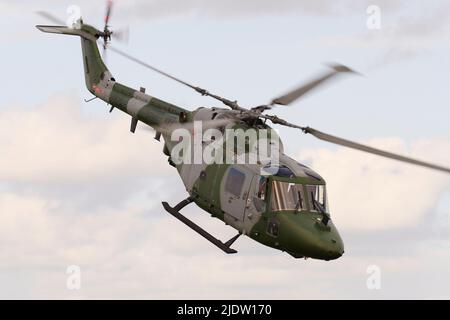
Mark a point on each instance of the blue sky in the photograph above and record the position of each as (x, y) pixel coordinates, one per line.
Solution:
(76, 169)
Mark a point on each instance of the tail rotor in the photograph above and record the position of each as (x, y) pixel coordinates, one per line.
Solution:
(122, 35)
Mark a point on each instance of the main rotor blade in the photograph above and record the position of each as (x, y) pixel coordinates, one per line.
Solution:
(51, 18)
(361, 147)
(232, 104)
(301, 91)
(126, 55)
(353, 145)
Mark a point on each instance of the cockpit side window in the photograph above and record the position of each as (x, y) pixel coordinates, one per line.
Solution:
(259, 199)
(317, 198)
(262, 186)
(287, 196)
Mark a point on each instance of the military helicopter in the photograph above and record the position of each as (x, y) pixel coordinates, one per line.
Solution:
(287, 210)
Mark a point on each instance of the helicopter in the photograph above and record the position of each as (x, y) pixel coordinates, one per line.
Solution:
(285, 208)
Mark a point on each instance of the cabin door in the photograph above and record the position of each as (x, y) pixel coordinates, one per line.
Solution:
(236, 188)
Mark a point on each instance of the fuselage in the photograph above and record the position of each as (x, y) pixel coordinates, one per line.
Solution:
(283, 209)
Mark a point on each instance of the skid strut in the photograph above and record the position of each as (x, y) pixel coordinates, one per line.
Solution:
(175, 212)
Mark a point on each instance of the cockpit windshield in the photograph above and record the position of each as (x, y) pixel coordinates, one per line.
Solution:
(317, 198)
(287, 196)
(290, 196)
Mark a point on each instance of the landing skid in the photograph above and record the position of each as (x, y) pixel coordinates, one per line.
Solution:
(175, 212)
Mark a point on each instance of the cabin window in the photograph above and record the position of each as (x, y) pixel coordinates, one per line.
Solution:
(235, 181)
(317, 198)
(287, 196)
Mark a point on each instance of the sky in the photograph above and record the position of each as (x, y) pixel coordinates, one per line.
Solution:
(78, 189)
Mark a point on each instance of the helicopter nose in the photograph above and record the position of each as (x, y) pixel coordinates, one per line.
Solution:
(330, 246)
(324, 247)
(334, 249)
(315, 241)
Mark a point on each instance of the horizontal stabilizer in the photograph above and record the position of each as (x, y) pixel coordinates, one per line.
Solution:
(66, 30)
(59, 29)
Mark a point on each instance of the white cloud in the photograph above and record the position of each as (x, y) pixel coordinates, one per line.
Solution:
(131, 254)
(367, 192)
(57, 142)
(25, 218)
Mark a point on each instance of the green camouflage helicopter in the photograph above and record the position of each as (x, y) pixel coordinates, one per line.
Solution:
(285, 208)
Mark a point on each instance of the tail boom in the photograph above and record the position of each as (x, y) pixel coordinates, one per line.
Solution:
(101, 83)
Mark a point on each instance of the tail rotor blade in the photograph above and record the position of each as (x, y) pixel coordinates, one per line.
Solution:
(109, 5)
(105, 53)
(122, 35)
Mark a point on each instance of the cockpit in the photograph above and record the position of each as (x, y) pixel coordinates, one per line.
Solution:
(293, 198)
(290, 196)
(303, 190)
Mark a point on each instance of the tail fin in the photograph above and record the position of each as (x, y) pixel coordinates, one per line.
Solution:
(94, 68)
